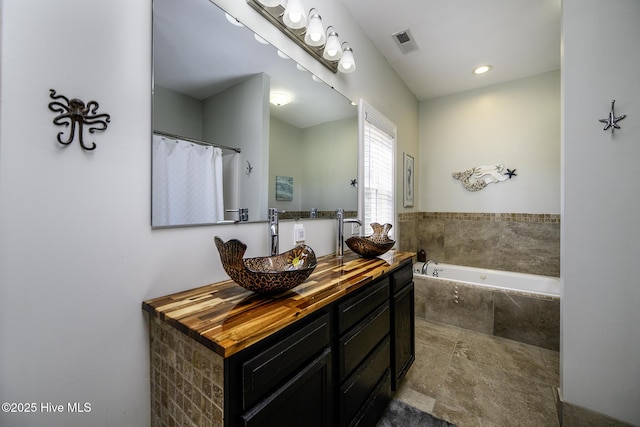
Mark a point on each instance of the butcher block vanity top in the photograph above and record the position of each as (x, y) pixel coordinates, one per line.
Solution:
(227, 318)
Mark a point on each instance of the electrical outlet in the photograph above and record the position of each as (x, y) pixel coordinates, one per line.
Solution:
(298, 233)
(355, 228)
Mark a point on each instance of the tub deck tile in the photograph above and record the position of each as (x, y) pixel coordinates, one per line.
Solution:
(533, 321)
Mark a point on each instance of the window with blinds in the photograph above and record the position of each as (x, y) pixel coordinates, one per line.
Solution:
(377, 163)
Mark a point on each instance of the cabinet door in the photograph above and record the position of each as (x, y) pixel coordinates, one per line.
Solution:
(401, 277)
(403, 333)
(361, 386)
(274, 365)
(305, 400)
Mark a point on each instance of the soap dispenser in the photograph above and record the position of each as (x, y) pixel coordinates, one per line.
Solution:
(422, 256)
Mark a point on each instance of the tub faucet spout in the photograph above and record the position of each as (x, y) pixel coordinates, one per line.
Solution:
(426, 265)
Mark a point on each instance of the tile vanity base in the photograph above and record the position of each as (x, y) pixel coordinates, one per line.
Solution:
(187, 379)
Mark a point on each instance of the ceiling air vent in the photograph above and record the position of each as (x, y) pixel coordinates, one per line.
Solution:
(405, 41)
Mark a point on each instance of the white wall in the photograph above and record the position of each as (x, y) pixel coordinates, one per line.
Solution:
(176, 113)
(330, 163)
(516, 124)
(284, 160)
(321, 159)
(239, 117)
(600, 345)
(77, 253)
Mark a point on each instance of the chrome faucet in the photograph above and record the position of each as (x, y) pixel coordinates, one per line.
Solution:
(274, 237)
(340, 230)
(426, 264)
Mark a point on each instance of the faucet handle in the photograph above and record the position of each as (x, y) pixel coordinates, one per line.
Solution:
(243, 213)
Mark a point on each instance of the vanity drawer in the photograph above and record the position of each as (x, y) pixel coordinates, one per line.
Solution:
(353, 309)
(371, 412)
(271, 367)
(354, 346)
(360, 386)
(401, 277)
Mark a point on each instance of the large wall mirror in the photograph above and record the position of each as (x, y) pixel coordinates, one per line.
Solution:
(212, 82)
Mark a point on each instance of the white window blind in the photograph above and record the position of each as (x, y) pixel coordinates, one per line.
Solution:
(378, 149)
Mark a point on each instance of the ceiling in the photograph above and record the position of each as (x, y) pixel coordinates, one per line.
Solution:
(519, 38)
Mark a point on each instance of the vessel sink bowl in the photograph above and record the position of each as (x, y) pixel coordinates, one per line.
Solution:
(266, 275)
(374, 245)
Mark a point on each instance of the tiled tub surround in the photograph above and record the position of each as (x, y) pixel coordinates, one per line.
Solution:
(524, 243)
(521, 316)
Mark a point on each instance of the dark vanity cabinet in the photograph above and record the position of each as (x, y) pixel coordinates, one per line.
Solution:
(364, 355)
(286, 380)
(338, 367)
(402, 323)
(328, 354)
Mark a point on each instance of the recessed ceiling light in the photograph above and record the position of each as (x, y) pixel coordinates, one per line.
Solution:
(482, 69)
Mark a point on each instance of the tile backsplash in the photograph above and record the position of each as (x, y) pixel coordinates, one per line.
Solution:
(519, 242)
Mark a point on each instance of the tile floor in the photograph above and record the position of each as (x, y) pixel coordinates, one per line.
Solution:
(472, 379)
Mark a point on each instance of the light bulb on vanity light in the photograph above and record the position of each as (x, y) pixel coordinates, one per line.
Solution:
(269, 3)
(347, 63)
(332, 50)
(294, 15)
(315, 35)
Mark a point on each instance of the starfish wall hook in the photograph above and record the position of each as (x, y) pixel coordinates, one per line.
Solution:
(612, 120)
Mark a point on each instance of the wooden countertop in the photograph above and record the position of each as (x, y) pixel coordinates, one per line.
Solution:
(227, 318)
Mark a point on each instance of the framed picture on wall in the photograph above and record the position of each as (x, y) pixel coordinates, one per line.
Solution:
(284, 188)
(408, 181)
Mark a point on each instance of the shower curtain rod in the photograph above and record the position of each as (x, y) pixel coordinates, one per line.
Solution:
(195, 141)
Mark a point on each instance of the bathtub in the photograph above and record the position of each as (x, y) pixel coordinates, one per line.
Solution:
(517, 306)
(531, 283)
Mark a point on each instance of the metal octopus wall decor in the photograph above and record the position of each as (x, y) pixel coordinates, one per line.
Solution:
(77, 114)
(612, 120)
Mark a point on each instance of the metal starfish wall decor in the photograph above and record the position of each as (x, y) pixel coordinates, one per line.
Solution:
(75, 112)
(612, 120)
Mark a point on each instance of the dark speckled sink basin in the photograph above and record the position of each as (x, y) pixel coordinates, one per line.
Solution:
(266, 275)
(374, 245)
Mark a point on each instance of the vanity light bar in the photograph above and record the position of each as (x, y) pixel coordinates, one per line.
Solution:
(313, 39)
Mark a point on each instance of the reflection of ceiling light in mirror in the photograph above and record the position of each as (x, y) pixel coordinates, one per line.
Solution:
(294, 15)
(347, 63)
(260, 39)
(316, 78)
(300, 67)
(233, 20)
(332, 50)
(279, 98)
(315, 32)
(282, 55)
(482, 69)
